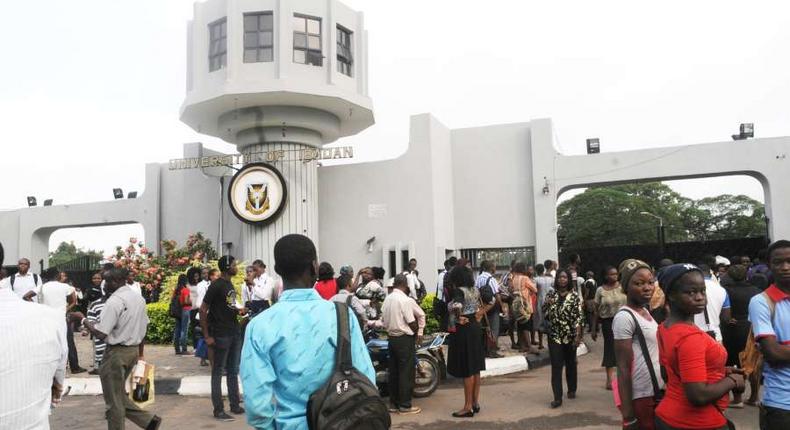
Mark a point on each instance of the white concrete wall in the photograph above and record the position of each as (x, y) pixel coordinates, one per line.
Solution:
(492, 186)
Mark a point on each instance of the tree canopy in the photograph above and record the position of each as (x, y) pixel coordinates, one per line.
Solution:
(67, 251)
(614, 215)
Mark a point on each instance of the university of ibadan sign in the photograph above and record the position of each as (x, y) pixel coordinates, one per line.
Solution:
(257, 193)
(306, 155)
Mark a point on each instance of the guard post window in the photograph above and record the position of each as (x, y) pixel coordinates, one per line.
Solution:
(345, 59)
(258, 37)
(307, 40)
(218, 44)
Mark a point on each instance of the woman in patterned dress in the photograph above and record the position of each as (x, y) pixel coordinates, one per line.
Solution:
(563, 312)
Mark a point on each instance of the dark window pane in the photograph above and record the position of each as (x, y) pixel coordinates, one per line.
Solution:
(250, 23)
(250, 40)
(315, 58)
(266, 54)
(223, 60)
(250, 55)
(265, 39)
(300, 40)
(299, 56)
(224, 29)
(266, 22)
(315, 43)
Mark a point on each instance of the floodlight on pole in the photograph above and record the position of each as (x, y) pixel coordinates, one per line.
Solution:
(593, 145)
(746, 131)
(132, 195)
(117, 193)
(31, 201)
(48, 202)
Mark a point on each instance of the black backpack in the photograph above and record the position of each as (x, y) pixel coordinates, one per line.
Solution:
(13, 278)
(348, 400)
(175, 305)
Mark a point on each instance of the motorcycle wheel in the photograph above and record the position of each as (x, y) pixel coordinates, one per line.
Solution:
(426, 377)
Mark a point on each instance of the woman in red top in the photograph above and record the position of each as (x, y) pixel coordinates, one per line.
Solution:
(182, 324)
(698, 383)
(326, 285)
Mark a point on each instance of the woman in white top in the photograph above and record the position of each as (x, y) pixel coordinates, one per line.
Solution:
(639, 389)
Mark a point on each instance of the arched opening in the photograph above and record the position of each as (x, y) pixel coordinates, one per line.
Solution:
(677, 219)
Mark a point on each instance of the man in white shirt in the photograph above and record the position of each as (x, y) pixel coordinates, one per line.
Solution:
(264, 284)
(411, 278)
(60, 297)
(29, 383)
(134, 285)
(23, 281)
(718, 307)
(488, 281)
(404, 321)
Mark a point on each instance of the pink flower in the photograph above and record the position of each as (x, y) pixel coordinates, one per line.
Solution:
(144, 251)
(133, 240)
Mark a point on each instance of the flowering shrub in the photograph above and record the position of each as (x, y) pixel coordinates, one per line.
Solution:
(147, 269)
(196, 251)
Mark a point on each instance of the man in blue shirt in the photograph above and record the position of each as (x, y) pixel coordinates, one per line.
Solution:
(771, 328)
(289, 349)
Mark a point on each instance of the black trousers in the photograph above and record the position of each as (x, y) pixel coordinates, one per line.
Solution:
(227, 353)
(562, 355)
(74, 360)
(774, 418)
(400, 380)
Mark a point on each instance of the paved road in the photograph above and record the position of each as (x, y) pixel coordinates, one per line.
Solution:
(519, 401)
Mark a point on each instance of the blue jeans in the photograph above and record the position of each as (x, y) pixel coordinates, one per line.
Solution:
(180, 332)
(227, 353)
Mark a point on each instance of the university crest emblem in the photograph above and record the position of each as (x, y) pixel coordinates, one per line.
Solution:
(257, 198)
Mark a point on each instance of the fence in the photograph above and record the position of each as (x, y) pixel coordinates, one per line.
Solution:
(596, 259)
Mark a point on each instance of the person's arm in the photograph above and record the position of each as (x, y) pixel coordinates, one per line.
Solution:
(28, 297)
(141, 350)
(594, 320)
(774, 353)
(421, 321)
(258, 376)
(579, 319)
(726, 310)
(360, 356)
(624, 354)
(693, 373)
(71, 300)
(204, 322)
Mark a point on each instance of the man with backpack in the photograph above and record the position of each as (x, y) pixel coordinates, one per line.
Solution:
(23, 281)
(769, 314)
(290, 354)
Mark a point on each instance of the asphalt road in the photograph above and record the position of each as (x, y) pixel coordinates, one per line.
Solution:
(518, 401)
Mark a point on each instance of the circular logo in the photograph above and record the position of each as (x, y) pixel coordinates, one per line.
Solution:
(257, 193)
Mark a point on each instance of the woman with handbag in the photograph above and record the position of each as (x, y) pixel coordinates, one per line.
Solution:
(466, 355)
(563, 313)
(608, 300)
(523, 292)
(698, 383)
(636, 348)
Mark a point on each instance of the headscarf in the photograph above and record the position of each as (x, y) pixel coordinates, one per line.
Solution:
(628, 268)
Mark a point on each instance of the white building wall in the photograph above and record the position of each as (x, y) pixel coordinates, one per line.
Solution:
(493, 197)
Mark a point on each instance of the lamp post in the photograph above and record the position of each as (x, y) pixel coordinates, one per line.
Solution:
(660, 231)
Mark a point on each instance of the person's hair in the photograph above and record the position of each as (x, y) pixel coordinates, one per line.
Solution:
(325, 271)
(453, 261)
(412, 259)
(759, 280)
(708, 260)
(548, 264)
(665, 262)
(400, 280)
(575, 259)
(294, 255)
(343, 281)
(737, 272)
(212, 272)
(225, 262)
(378, 272)
(117, 274)
(762, 255)
(191, 272)
(461, 276)
(557, 279)
(606, 270)
(51, 274)
(520, 267)
(779, 244)
(539, 269)
(259, 263)
(735, 259)
(704, 267)
(488, 266)
(182, 281)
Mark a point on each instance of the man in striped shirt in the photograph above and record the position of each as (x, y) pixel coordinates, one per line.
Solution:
(99, 345)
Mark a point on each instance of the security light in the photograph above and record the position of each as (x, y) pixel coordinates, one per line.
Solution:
(117, 193)
(48, 202)
(747, 131)
(132, 195)
(31, 201)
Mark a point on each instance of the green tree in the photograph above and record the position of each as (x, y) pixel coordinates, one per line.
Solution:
(612, 215)
(67, 251)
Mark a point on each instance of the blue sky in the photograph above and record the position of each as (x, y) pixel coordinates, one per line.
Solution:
(91, 88)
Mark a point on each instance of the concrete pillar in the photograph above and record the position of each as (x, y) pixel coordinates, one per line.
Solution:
(300, 214)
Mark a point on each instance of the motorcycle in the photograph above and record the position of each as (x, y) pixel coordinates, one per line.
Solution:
(430, 365)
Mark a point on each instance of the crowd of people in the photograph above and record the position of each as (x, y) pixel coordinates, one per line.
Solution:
(679, 340)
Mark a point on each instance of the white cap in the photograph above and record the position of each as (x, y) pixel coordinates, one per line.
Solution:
(721, 261)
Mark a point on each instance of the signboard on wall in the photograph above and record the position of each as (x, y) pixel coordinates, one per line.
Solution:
(257, 193)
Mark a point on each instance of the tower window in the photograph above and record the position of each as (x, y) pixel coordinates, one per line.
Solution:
(218, 44)
(345, 58)
(307, 40)
(258, 37)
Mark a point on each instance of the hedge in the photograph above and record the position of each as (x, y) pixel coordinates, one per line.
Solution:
(431, 323)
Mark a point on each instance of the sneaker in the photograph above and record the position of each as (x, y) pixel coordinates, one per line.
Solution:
(78, 370)
(238, 410)
(392, 409)
(94, 372)
(222, 416)
(203, 363)
(154, 424)
(409, 411)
